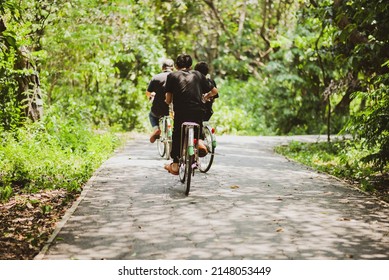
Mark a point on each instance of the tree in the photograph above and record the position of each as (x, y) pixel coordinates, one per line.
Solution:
(20, 42)
(363, 43)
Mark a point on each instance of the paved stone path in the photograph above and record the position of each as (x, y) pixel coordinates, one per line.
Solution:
(253, 204)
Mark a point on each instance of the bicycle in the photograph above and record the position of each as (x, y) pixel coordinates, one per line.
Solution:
(164, 143)
(188, 161)
(210, 142)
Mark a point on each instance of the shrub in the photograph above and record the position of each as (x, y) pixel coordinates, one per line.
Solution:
(53, 154)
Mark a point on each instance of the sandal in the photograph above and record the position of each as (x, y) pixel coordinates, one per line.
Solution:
(155, 135)
(169, 168)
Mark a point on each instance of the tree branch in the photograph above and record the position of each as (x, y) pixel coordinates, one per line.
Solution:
(242, 19)
(211, 5)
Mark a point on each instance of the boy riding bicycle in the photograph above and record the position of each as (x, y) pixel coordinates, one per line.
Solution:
(185, 88)
(156, 93)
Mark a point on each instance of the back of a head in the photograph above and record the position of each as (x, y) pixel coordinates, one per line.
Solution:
(184, 61)
(168, 64)
(202, 67)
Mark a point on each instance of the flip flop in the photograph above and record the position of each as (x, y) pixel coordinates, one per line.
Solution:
(169, 168)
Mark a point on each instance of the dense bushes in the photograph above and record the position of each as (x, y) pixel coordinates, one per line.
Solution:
(371, 124)
(56, 153)
(239, 108)
(343, 159)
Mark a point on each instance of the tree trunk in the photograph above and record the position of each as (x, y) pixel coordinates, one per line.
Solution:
(29, 92)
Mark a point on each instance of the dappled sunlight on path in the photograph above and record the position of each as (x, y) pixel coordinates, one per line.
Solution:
(252, 204)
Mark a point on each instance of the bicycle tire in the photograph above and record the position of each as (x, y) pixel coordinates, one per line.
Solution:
(188, 171)
(161, 146)
(182, 163)
(168, 140)
(206, 161)
(182, 170)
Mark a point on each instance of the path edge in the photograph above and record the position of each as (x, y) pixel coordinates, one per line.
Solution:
(69, 212)
(67, 216)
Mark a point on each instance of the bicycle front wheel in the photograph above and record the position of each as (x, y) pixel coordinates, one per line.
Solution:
(168, 139)
(209, 142)
(161, 141)
(182, 163)
(188, 171)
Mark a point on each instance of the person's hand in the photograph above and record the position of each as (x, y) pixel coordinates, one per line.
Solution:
(203, 98)
(151, 97)
(206, 97)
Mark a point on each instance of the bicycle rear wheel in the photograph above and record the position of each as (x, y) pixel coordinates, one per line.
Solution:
(210, 143)
(161, 148)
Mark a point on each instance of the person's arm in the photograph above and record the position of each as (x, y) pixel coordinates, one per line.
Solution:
(168, 88)
(211, 93)
(168, 98)
(150, 91)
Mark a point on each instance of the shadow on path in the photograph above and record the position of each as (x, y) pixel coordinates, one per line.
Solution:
(253, 204)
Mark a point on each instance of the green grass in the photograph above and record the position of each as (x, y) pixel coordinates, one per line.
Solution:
(51, 155)
(342, 159)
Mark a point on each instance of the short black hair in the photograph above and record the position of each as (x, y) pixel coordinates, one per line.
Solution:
(184, 61)
(202, 67)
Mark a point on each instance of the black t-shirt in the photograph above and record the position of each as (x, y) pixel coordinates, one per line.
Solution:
(208, 104)
(157, 85)
(187, 88)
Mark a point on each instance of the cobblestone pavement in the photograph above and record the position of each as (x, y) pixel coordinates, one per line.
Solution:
(253, 204)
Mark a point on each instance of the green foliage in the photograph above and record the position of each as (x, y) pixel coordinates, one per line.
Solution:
(237, 111)
(291, 104)
(371, 124)
(348, 41)
(10, 107)
(343, 159)
(102, 62)
(56, 153)
(21, 29)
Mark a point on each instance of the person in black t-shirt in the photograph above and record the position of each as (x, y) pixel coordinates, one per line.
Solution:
(203, 68)
(156, 93)
(185, 88)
